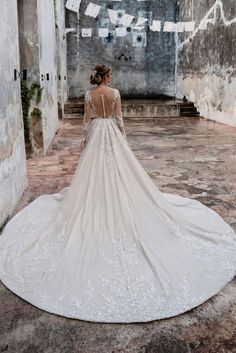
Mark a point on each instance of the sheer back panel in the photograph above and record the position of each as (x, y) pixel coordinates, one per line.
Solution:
(103, 102)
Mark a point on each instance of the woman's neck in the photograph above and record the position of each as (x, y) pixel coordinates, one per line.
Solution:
(102, 84)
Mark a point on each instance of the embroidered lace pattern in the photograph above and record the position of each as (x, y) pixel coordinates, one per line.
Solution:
(112, 247)
(90, 113)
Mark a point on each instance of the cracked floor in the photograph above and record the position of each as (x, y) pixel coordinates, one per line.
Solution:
(192, 157)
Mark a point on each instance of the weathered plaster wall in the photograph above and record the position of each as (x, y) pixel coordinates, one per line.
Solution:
(38, 55)
(207, 59)
(48, 65)
(28, 38)
(149, 72)
(61, 54)
(12, 149)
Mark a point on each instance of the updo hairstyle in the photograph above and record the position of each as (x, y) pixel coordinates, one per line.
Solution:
(99, 72)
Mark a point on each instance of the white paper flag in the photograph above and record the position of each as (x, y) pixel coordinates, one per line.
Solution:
(113, 14)
(203, 24)
(121, 31)
(141, 21)
(156, 26)
(169, 27)
(73, 5)
(70, 30)
(86, 32)
(139, 28)
(126, 20)
(92, 10)
(103, 32)
(180, 27)
(120, 15)
(189, 26)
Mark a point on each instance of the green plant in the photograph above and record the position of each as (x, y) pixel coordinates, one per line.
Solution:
(55, 9)
(35, 91)
(37, 112)
(25, 106)
(27, 95)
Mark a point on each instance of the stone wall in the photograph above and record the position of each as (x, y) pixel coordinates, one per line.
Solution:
(39, 55)
(12, 148)
(61, 55)
(48, 69)
(143, 68)
(28, 38)
(207, 59)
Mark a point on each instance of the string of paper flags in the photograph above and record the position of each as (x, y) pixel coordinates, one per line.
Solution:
(122, 31)
(124, 20)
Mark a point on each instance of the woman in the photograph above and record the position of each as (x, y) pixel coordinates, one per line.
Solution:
(112, 247)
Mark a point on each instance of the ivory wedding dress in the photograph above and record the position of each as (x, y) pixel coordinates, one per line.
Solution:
(112, 247)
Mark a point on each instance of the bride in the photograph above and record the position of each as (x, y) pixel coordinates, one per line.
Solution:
(112, 247)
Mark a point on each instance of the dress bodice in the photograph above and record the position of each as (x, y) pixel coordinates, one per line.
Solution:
(102, 103)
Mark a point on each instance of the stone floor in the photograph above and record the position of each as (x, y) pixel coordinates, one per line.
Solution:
(189, 156)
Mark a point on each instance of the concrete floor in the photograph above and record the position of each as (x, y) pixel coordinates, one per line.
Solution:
(188, 156)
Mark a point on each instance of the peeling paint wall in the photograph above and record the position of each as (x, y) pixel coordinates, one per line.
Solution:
(207, 58)
(150, 66)
(61, 54)
(38, 55)
(48, 69)
(12, 148)
(28, 38)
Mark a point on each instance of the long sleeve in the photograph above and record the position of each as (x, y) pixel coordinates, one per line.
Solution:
(86, 119)
(118, 114)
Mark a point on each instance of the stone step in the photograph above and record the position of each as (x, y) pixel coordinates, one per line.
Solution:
(189, 112)
(139, 108)
(190, 115)
(150, 108)
(188, 109)
(74, 110)
(74, 106)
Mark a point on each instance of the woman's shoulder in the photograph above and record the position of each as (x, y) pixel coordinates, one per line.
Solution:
(87, 94)
(116, 91)
(93, 91)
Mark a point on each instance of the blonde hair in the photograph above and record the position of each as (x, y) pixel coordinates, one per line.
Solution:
(99, 72)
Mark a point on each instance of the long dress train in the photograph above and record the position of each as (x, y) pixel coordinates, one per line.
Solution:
(112, 247)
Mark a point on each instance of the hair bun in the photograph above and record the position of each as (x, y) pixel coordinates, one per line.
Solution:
(95, 78)
(98, 73)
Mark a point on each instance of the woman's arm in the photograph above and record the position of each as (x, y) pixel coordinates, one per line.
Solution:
(86, 120)
(118, 114)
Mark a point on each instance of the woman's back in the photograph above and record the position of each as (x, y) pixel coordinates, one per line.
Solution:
(102, 101)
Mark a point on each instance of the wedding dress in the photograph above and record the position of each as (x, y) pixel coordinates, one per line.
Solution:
(112, 247)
